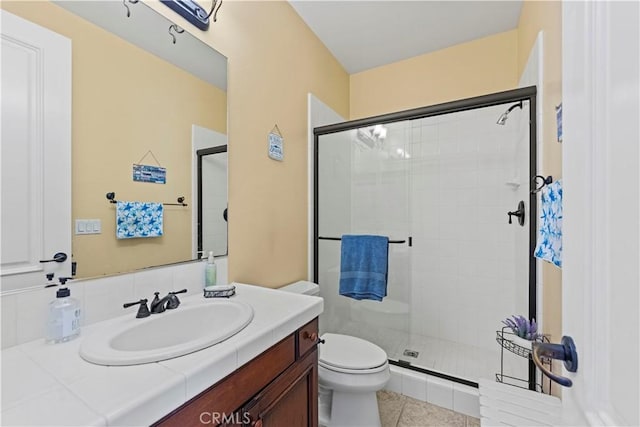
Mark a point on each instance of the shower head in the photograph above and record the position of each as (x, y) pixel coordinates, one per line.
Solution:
(503, 117)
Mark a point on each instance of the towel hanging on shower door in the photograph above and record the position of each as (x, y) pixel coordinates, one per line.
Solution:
(549, 245)
(364, 267)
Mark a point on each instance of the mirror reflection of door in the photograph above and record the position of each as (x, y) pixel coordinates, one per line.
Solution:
(212, 200)
(35, 153)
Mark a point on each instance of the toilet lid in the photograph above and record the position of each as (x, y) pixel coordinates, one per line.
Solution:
(347, 352)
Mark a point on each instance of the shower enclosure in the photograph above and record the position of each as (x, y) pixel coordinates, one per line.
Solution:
(440, 181)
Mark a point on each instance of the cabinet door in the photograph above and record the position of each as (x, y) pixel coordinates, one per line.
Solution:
(291, 400)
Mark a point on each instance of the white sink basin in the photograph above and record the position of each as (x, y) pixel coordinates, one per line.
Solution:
(189, 328)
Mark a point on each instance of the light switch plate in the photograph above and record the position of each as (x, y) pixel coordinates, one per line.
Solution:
(88, 226)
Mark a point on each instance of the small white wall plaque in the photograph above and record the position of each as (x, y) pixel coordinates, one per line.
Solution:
(276, 144)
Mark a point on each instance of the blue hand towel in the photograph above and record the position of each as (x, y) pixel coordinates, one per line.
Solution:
(363, 267)
(139, 219)
(549, 245)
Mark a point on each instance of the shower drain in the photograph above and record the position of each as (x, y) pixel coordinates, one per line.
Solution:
(410, 353)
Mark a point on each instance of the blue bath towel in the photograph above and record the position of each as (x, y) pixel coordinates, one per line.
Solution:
(549, 245)
(139, 219)
(363, 267)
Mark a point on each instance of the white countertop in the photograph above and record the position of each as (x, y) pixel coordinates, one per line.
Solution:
(50, 384)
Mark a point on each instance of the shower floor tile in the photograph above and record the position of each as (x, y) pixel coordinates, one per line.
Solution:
(448, 357)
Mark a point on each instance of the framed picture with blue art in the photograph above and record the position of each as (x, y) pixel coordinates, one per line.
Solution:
(149, 173)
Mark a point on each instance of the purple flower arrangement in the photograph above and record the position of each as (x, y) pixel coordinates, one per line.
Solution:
(522, 328)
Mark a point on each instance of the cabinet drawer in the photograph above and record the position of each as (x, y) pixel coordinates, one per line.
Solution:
(307, 338)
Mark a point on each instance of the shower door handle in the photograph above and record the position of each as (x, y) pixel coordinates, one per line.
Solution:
(518, 213)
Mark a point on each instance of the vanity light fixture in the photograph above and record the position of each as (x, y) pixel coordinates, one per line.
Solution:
(177, 29)
(126, 6)
(193, 12)
(215, 7)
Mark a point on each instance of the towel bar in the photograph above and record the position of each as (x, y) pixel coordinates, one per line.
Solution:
(112, 199)
(339, 238)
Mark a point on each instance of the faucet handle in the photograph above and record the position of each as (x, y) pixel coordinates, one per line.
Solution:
(157, 305)
(173, 301)
(143, 311)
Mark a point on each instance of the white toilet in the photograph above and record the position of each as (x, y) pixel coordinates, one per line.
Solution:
(350, 372)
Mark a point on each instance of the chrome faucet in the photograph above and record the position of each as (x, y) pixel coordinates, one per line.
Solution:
(169, 302)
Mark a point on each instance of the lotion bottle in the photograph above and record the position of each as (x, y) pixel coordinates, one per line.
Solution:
(210, 273)
(63, 322)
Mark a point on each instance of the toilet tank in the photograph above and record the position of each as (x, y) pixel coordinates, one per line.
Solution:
(302, 287)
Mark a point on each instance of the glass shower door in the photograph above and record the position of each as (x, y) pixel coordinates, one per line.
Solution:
(441, 182)
(363, 188)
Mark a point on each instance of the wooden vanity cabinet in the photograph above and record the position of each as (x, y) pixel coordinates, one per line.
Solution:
(277, 388)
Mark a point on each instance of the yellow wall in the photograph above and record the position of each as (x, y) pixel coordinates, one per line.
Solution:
(125, 102)
(274, 60)
(479, 67)
(546, 16)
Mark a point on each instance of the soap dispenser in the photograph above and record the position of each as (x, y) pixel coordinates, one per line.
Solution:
(210, 273)
(63, 323)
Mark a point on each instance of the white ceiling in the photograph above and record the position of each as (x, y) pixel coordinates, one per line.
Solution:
(365, 34)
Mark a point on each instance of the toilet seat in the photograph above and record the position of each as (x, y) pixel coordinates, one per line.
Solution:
(351, 355)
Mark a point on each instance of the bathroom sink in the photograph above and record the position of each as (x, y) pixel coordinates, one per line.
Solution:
(189, 328)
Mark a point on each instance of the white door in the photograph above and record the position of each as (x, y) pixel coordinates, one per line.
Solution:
(36, 153)
(601, 56)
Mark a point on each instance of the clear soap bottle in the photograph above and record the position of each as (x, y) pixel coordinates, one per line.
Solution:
(210, 273)
(63, 323)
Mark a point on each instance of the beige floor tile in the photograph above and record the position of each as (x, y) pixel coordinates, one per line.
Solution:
(390, 406)
(473, 422)
(421, 414)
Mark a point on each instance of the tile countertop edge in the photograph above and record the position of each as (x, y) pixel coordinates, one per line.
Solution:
(281, 327)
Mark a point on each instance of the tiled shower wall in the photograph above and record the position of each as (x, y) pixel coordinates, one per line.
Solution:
(448, 181)
(467, 172)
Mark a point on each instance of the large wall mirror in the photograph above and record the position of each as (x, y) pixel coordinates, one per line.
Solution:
(143, 92)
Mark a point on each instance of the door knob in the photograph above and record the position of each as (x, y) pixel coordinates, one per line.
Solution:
(59, 257)
(565, 351)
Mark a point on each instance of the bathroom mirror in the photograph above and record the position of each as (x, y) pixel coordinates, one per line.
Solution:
(140, 86)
